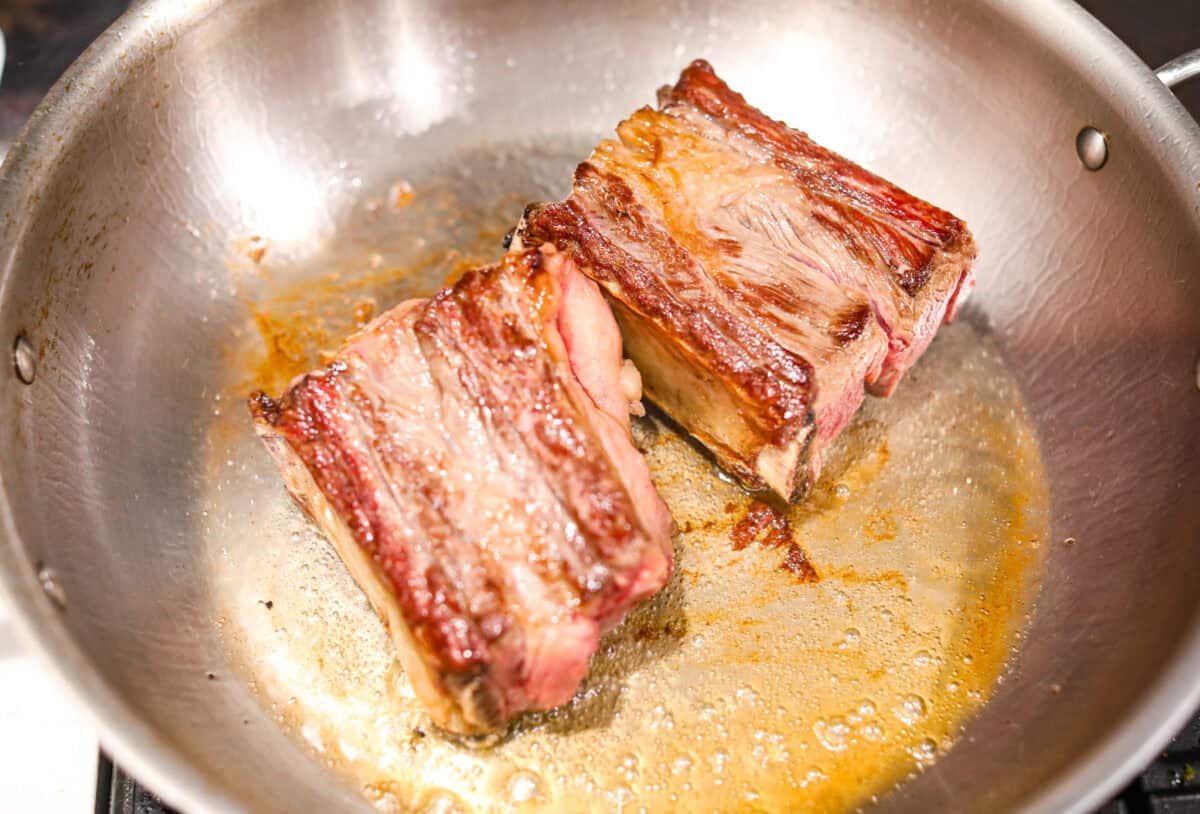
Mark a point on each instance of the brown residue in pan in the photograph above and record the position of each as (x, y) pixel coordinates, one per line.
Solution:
(851, 576)
(364, 311)
(796, 562)
(689, 527)
(401, 194)
(881, 527)
(256, 248)
(764, 523)
(301, 324)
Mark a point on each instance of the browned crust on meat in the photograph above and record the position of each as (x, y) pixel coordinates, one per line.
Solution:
(436, 612)
(851, 324)
(899, 260)
(908, 249)
(491, 346)
(497, 329)
(263, 408)
(776, 381)
(772, 386)
(682, 386)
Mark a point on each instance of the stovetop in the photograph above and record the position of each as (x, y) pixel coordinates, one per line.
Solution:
(44, 36)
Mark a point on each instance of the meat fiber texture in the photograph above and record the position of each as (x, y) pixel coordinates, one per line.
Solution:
(470, 457)
(761, 281)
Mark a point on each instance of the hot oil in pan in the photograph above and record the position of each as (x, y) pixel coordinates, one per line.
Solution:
(764, 677)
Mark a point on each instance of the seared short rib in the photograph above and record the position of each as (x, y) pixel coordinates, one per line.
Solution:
(761, 281)
(470, 457)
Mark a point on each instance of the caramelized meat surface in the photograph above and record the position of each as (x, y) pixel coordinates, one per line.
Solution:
(470, 457)
(761, 282)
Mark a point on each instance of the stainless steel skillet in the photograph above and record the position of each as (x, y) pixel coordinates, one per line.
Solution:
(193, 126)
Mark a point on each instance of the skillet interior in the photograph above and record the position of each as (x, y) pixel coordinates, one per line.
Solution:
(125, 218)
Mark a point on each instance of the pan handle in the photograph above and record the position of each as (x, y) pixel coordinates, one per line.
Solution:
(1180, 69)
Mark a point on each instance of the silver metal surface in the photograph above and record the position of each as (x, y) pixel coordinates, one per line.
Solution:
(193, 126)
(50, 587)
(1180, 69)
(24, 359)
(1092, 148)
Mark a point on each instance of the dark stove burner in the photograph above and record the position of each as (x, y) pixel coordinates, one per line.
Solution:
(118, 793)
(1171, 784)
(44, 36)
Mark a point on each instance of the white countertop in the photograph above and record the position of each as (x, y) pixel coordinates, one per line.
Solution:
(48, 749)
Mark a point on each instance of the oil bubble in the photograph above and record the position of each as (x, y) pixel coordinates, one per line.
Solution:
(925, 751)
(910, 710)
(523, 786)
(850, 639)
(833, 733)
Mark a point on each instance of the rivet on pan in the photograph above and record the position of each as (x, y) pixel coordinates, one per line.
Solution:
(1198, 373)
(50, 586)
(1092, 148)
(24, 359)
